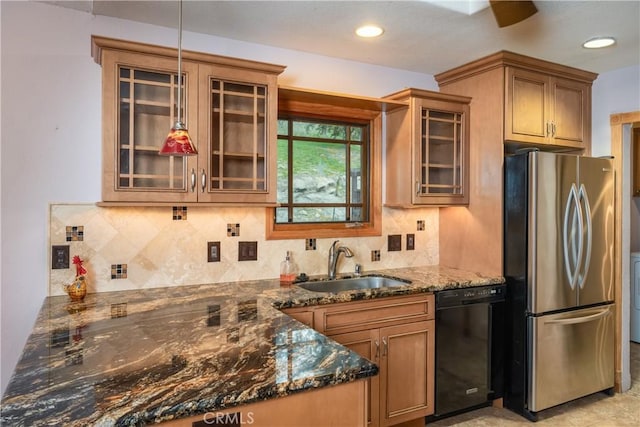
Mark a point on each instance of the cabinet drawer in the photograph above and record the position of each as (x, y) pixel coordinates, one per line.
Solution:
(369, 314)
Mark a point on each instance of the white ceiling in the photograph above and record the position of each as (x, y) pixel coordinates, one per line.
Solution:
(419, 35)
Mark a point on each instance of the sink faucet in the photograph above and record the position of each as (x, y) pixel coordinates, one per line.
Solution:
(334, 254)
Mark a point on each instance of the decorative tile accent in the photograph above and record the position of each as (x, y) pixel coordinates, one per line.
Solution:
(118, 271)
(375, 255)
(118, 310)
(421, 225)
(310, 244)
(75, 233)
(233, 230)
(179, 213)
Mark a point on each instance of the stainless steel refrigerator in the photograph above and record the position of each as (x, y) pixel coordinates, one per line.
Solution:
(559, 266)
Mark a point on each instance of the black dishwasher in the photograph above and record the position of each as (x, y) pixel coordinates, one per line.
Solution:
(469, 349)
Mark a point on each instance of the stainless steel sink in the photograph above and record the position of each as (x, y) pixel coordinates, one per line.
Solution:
(352, 283)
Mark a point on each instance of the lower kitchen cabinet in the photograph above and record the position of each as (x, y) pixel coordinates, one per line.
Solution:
(403, 390)
(338, 405)
(397, 334)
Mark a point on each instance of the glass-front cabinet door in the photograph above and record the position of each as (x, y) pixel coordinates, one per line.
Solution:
(228, 106)
(427, 151)
(145, 101)
(234, 113)
(441, 151)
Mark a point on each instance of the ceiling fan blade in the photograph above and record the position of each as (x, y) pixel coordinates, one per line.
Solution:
(509, 12)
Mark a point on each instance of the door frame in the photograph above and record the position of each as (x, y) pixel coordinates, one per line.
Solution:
(622, 369)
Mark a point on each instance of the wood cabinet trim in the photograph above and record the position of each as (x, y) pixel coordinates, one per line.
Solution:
(506, 58)
(362, 315)
(100, 43)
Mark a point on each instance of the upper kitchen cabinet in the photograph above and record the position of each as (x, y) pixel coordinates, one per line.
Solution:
(229, 106)
(545, 104)
(543, 109)
(427, 151)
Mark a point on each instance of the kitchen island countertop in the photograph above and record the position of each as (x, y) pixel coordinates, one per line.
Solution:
(146, 356)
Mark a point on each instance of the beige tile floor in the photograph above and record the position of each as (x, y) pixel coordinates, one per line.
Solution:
(622, 409)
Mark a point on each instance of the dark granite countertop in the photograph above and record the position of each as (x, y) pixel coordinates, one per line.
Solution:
(146, 356)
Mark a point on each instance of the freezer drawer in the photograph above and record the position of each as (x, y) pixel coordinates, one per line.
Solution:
(572, 355)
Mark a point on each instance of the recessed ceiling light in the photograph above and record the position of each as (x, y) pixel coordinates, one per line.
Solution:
(369, 31)
(598, 42)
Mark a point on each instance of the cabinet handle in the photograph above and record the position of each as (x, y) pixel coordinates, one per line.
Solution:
(204, 180)
(548, 127)
(377, 349)
(418, 187)
(553, 129)
(193, 180)
(385, 349)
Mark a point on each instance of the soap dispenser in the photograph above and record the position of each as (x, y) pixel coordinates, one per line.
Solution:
(287, 271)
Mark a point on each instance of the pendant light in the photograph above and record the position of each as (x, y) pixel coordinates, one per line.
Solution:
(178, 142)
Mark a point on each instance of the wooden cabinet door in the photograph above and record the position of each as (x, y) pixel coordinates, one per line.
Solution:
(366, 344)
(406, 372)
(441, 152)
(541, 109)
(526, 107)
(237, 137)
(570, 114)
(139, 105)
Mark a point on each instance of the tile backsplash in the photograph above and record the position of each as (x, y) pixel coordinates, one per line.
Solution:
(148, 248)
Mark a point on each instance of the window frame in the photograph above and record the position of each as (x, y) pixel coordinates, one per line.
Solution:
(323, 106)
(364, 143)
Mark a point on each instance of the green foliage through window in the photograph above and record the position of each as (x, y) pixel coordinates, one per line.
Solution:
(322, 171)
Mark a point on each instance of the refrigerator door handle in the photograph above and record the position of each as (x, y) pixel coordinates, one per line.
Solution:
(583, 197)
(569, 234)
(581, 319)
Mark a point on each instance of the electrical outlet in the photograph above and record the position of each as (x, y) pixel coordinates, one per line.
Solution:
(213, 251)
(247, 251)
(394, 242)
(411, 242)
(59, 257)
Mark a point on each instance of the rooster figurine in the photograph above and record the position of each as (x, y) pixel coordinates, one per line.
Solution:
(78, 289)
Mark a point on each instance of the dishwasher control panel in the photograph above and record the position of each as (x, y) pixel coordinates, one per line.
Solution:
(462, 296)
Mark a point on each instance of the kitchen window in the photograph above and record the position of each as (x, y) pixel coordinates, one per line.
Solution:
(328, 170)
(322, 171)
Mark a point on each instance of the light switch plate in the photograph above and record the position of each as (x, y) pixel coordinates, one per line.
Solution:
(411, 242)
(247, 251)
(59, 257)
(394, 242)
(213, 251)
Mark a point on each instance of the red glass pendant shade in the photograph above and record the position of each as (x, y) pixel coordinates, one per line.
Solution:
(178, 142)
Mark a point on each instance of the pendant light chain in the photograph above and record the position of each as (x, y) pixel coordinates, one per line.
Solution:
(179, 61)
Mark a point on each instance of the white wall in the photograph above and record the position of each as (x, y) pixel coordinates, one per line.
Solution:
(51, 90)
(613, 92)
